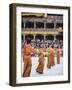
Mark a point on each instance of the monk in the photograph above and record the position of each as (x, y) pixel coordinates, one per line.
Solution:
(49, 50)
(58, 55)
(40, 66)
(27, 58)
(52, 56)
(51, 61)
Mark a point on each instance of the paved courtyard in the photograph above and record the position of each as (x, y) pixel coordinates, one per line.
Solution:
(54, 71)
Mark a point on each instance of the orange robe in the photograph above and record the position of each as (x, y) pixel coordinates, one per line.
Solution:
(52, 56)
(40, 66)
(58, 56)
(27, 60)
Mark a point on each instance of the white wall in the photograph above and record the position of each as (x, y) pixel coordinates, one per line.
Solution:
(4, 45)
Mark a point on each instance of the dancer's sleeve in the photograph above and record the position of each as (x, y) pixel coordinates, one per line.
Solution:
(36, 51)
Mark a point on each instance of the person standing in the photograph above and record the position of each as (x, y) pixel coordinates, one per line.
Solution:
(52, 56)
(49, 50)
(58, 55)
(41, 60)
(27, 58)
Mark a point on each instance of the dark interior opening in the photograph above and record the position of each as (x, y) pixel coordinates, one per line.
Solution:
(29, 24)
(39, 25)
(49, 25)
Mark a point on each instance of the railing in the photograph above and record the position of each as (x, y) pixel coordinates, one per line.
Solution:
(39, 29)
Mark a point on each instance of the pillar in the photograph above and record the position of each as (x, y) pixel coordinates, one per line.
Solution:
(44, 25)
(54, 25)
(34, 25)
(24, 25)
(44, 40)
(24, 38)
(54, 38)
(44, 37)
(34, 37)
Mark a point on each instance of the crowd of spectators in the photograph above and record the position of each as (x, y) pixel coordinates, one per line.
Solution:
(38, 44)
(44, 44)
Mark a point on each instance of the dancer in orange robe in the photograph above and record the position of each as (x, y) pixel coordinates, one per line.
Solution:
(27, 59)
(49, 50)
(58, 55)
(52, 56)
(40, 66)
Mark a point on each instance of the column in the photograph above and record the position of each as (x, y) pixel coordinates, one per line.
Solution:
(34, 25)
(34, 37)
(44, 25)
(44, 37)
(44, 40)
(24, 25)
(54, 25)
(54, 38)
(45, 21)
(24, 38)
